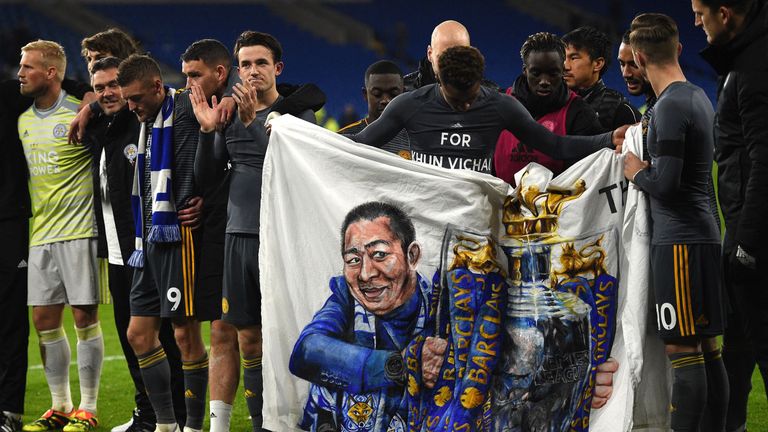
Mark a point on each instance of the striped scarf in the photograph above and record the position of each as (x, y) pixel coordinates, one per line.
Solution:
(165, 223)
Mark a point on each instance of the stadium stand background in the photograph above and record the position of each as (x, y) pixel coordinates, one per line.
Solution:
(332, 42)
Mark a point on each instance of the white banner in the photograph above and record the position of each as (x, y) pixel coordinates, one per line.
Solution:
(313, 177)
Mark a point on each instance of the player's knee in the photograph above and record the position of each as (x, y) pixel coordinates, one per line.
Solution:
(189, 340)
(140, 340)
(43, 322)
(250, 342)
(682, 345)
(47, 317)
(223, 335)
(85, 315)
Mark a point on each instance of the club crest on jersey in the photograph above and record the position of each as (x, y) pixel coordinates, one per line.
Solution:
(130, 152)
(60, 130)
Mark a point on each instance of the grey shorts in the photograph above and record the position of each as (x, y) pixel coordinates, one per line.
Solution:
(65, 272)
(165, 286)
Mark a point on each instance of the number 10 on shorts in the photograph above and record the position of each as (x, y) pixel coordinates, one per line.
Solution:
(665, 316)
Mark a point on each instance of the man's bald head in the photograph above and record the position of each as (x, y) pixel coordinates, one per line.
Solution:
(447, 34)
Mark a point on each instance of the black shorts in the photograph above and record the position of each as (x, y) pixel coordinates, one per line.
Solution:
(241, 303)
(688, 290)
(209, 281)
(165, 286)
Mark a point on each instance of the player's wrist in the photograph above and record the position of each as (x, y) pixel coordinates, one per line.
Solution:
(636, 173)
(394, 368)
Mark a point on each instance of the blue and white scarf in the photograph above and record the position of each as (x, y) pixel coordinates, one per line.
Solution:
(165, 222)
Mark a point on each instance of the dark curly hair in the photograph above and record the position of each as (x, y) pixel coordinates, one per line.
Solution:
(542, 42)
(593, 41)
(253, 38)
(461, 67)
(113, 41)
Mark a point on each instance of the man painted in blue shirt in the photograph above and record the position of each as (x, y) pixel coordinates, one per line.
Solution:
(352, 351)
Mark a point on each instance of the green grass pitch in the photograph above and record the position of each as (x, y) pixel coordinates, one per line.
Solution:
(116, 391)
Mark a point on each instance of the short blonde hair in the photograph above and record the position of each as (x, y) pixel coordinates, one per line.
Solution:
(52, 53)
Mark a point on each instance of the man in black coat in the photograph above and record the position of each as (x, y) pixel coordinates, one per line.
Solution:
(737, 33)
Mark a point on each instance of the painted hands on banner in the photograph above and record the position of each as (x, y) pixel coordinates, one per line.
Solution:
(432, 359)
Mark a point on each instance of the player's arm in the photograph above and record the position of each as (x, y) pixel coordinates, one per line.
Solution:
(518, 120)
(211, 158)
(389, 124)
(185, 138)
(582, 120)
(323, 356)
(661, 179)
(298, 99)
(752, 101)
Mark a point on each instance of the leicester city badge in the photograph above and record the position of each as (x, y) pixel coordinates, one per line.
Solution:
(60, 130)
(130, 152)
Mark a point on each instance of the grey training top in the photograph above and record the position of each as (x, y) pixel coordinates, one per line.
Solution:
(452, 139)
(247, 148)
(680, 145)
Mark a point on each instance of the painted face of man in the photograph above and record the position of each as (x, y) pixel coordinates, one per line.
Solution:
(580, 68)
(379, 274)
(105, 85)
(257, 67)
(543, 72)
(33, 73)
(208, 78)
(380, 91)
(636, 84)
(144, 97)
(712, 21)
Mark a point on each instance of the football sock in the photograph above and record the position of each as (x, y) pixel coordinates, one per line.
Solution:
(90, 356)
(157, 380)
(56, 355)
(195, 385)
(717, 392)
(221, 412)
(689, 391)
(253, 383)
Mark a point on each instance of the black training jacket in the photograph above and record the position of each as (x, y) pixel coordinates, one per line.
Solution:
(612, 108)
(118, 135)
(741, 132)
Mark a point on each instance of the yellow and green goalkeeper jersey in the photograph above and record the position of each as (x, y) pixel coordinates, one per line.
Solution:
(60, 179)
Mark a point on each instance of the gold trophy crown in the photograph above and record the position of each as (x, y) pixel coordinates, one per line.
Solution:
(533, 215)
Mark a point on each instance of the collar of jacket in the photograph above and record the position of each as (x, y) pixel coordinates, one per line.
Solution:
(590, 93)
(536, 105)
(426, 74)
(721, 58)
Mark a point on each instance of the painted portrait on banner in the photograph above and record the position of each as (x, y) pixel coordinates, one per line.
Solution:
(406, 297)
